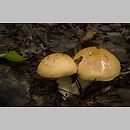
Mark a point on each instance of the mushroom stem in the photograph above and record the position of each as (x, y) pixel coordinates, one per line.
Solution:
(68, 89)
(79, 86)
(82, 84)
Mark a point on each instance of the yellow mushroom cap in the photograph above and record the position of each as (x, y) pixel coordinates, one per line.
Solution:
(57, 65)
(97, 64)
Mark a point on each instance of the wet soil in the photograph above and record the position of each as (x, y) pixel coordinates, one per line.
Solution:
(21, 86)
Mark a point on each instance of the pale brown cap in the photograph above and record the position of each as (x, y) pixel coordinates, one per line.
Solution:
(97, 64)
(57, 65)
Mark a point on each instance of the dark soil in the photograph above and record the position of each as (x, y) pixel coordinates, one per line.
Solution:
(21, 86)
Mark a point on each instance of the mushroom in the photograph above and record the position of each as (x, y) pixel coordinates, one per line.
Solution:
(97, 64)
(59, 66)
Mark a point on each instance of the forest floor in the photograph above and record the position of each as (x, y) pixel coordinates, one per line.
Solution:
(21, 86)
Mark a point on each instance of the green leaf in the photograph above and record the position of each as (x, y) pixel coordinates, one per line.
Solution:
(13, 56)
(2, 55)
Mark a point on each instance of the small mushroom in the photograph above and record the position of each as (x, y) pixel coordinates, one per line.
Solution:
(58, 66)
(97, 64)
